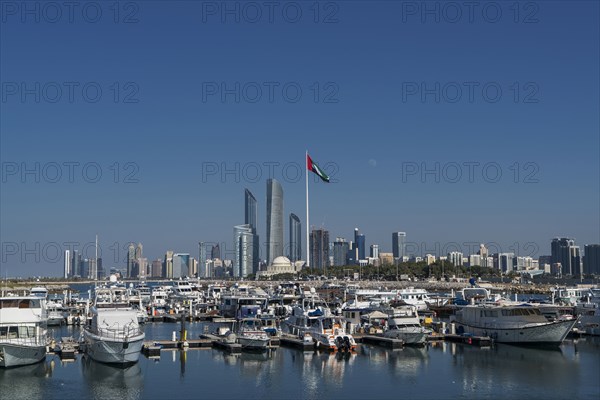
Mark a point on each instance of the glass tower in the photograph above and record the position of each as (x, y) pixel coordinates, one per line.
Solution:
(295, 238)
(274, 220)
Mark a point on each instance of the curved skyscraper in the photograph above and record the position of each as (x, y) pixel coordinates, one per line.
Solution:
(295, 249)
(250, 209)
(274, 220)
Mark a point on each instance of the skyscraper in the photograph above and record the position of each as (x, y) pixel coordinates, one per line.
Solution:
(215, 252)
(591, 260)
(250, 209)
(168, 265)
(274, 220)
(565, 252)
(251, 218)
(181, 263)
(374, 251)
(340, 252)
(76, 264)
(202, 259)
(130, 259)
(295, 238)
(319, 248)
(67, 268)
(398, 241)
(243, 240)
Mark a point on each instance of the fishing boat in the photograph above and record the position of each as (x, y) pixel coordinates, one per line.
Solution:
(114, 335)
(22, 330)
(512, 324)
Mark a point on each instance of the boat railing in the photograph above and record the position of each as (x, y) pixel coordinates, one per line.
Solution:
(117, 332)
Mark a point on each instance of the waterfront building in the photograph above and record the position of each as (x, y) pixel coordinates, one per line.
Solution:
(295, 247)
(274, 220)
(398, 244)
(386, 258)
(251, 218)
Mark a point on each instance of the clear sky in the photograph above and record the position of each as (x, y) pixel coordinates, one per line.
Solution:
(455, 122)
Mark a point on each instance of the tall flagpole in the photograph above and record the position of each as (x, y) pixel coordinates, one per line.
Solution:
(307, 226)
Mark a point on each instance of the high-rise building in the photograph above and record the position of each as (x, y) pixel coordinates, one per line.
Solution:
(139, 251)
(250, 210)
(484, 253)
(456, 258)
(67, 267)
(506, 262)
(76, 264)
(374, 251)
(319, 248)
(274, 220)
(243, 261)
(130, 259)
(340, 252)
(398, 244)
(181, 262)
(156, 270)
(202, 258)
(565, 252)
(215, 252)
(591, 260)
(295, 238)
(168, 265)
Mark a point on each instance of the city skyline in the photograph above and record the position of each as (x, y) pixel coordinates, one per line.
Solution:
(454, 132)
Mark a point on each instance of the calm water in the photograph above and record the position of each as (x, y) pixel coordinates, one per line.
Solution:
(442, 371)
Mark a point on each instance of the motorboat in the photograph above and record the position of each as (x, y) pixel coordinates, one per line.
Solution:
(22, 330)
(114, 335)
(404, 324)
(512, 324)
(251, 335)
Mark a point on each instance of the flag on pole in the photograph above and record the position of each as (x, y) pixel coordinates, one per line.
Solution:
(311, 166)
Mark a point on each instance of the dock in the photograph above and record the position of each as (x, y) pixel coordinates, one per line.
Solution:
(294, 341)
(481, 341)
(380, 341)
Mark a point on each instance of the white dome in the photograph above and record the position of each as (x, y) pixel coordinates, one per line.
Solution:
(282, 261)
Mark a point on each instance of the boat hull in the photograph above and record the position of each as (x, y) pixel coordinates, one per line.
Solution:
(257, 344)
(111, 351)
(408, 336)
(14, 355)
(550, 333)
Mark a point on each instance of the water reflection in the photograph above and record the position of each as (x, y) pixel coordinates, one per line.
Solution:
(111, 382)
(405, 361)
(24, 382)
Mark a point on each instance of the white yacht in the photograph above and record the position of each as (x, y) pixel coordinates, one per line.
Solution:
(312, 320)
(57, 314)
(404, 324)
(414, 297)
(114, 335)
(22, 330)
(512, 324)
(251, 335)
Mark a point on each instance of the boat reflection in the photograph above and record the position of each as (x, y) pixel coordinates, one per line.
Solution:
(112, 382)
(408, 360)
(25, 382)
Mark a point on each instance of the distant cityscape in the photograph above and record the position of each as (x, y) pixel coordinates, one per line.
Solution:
(283, 257)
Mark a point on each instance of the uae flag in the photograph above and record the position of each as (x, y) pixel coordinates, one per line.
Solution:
(311, 166)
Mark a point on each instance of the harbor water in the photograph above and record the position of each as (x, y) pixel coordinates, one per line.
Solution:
(438, 371)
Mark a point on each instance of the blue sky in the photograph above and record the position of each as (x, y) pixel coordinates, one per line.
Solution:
(387, 92)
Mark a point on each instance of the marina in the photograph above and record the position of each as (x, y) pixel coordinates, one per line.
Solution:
(122, 337)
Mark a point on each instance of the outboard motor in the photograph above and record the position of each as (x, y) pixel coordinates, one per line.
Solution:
(347, 343)
(339, 342)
